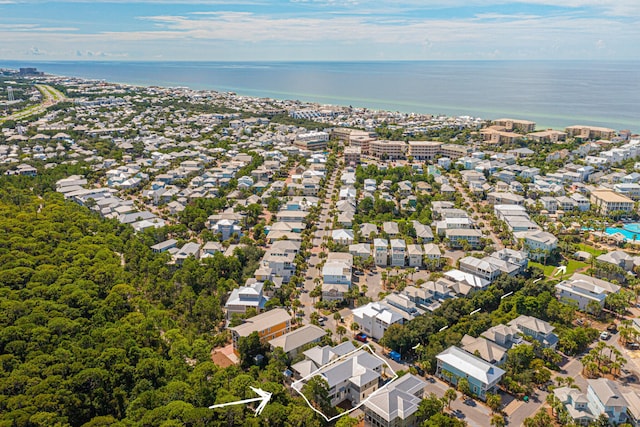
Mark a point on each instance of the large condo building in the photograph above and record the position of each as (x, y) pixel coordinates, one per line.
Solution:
(424, 150)
(607, 201)
(516, 125)
(590, 132)
(455, 151)
(549, 135)
(362, 139)
(312, 140)
(388, 150)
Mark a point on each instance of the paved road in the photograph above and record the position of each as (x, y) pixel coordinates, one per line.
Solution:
(460, 189)
(50, 95)
(323, 229)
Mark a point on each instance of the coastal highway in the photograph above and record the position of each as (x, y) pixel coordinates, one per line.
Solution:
(50, 96)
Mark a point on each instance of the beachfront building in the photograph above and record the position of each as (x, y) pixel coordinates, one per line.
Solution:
(524, 126)
(608, 201)
(455, 363)
(455, 151)
(550, 135)
(590, 132)
(268, 325)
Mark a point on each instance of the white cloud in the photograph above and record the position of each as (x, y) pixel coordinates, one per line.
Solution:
(228, 35)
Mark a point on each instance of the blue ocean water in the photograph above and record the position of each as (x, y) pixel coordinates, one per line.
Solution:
(551, 93)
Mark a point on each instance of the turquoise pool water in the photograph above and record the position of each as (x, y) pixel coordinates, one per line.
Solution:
(628, 231)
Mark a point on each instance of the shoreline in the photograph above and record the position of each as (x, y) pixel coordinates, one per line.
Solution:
(204, 79)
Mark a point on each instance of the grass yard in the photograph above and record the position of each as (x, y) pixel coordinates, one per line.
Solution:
(550, 270)
(590, 249)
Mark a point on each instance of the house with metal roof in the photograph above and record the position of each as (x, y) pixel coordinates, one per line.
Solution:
(539, 329)
(245, 297)
(293, 341)
(455, 363)
(396, 404)
(375, 318)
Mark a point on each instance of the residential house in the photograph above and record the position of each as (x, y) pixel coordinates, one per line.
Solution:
(581, 290)
(367, 230)
(353, 378)
(455, 363)
(268, 325)
(480, 267)
(397, 404)
(375, 318)
(576, 403)
(415, 255)
(227, 228)
(485, 349)
(164, 246)
(432, 251)
(618, 258)
(316, 357)
(342, 236)
(538, 329)
(293, 341)
(336, 275)
(280, 264)
(391, 228)
(381, 252)
(458, 236)
(245, 297)
(424, 234)
(362, 250)
(605, 397)
(398, 252)
(539, 244)
(504, 335)
(189, 249)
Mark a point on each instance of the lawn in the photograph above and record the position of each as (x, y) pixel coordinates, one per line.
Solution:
(590, 249)
(550, 270)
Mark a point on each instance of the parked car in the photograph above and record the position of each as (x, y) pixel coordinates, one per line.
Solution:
(613, 328)
(362, 337)
(605, 335)
(395, 356)
(633, 346)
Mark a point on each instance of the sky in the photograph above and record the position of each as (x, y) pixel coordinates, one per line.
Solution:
(327, 30)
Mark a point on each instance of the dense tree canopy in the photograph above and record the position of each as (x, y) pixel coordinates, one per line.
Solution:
(97, 330)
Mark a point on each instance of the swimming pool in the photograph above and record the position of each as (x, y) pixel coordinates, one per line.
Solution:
(629, 231)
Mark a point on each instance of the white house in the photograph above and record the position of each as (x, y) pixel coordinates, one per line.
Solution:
(336, 275)
(381, 251)
(374, 319)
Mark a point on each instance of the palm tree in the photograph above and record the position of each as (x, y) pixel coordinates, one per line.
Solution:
(450, 395)
(497, 420)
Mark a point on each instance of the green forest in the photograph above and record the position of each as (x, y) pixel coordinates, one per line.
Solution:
(96, 330)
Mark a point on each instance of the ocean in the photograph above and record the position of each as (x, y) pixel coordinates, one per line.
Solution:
(554, 94)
